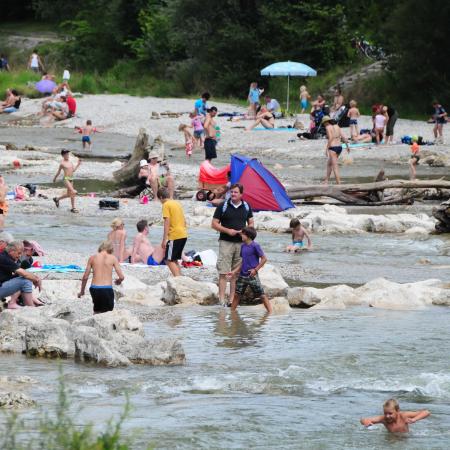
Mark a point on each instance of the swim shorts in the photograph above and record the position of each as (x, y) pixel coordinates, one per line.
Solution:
(304, 103)
(152, 262)
(353, 122)
(86, 139)
(254, 283)
(336, 149)
(298, 244)
(198, 134)
(174, 249)
(210, 148)
(416, 157)
(102, 297)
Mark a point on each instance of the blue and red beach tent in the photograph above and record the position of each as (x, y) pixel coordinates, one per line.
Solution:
(262, 190)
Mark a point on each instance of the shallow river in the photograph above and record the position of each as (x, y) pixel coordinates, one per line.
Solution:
(301, 380)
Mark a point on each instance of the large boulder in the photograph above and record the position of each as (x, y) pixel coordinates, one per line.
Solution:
(91, 348)
(186, 291)
(155, 352)
(50, 339)
(112, 322)
(335, 297)
(13, 324)
(132, 290)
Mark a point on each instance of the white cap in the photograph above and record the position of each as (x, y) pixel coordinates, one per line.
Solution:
(143, 163)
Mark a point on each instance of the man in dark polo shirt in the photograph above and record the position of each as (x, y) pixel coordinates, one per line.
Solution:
(229, 219)
(14, 280)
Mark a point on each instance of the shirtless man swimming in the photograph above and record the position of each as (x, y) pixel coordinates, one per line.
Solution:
(333, 149)
(102, 264)
(394, 420)
(68, 169)
(143, 251)
(210, 133)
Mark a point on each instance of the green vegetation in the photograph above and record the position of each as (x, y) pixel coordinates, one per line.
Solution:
(59, 431)
(178, 47)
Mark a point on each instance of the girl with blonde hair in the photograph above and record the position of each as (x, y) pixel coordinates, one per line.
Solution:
(118, 236)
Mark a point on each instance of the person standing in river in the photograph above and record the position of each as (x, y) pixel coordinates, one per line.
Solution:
(229, 219)
(210, 132)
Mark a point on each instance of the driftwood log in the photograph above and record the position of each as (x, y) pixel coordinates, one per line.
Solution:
(126, 176)
(363, 193)
(442, 214)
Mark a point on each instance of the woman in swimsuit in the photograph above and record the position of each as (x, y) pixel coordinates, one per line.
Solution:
(333, 149)
(264, 117)
(118, 236)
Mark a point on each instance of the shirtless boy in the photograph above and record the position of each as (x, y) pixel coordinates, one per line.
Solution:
(143, 251)
(353, 114)
(68, 169)
(210, 131)
(86, 132)
(394, 420)
(299, 234)
(102, 264)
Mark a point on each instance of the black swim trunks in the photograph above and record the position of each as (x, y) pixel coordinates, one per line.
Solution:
(174, 249)
(337, 149)
(210, 148)
(416, 157)
(103, 298)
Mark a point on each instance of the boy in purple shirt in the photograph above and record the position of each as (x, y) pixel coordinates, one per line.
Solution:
(253, 259)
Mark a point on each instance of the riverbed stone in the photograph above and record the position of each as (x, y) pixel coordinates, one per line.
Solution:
(112, 322)
(134, 291)
(49, 339)
(91, 348)
(13, 324)
(15, 400)
(186, 291)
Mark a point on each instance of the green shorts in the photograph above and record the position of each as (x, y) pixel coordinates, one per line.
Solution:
(254, 283)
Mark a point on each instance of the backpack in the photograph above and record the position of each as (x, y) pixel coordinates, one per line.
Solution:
(225, 206)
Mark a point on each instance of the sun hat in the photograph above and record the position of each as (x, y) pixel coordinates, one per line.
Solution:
(325, 119)
(143, 163)
(153, 155)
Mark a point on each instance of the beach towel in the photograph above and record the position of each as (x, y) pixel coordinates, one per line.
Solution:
(274, 129)
(57, 268)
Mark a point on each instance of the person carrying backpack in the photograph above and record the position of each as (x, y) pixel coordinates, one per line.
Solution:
(229, 219)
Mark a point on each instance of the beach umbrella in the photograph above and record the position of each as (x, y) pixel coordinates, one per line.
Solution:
(288, 69)
(45, 86)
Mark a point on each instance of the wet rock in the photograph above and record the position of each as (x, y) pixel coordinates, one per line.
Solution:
(335, 297)
(90, 348)
(155, 352)
(280, 305)
(272, 281)
(186, 291)
(112, 322)
(417, 230)
(49, 339)
(15, 400)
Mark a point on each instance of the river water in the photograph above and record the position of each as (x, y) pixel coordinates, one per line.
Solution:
(300, 380)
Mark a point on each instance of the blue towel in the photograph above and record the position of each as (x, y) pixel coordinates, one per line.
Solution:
(57, 268)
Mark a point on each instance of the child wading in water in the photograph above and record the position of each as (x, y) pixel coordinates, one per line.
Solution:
(299, 233)
(188, 142)
(86, 132)
(253, 259)
(353, 114)
(68, 169)
(414, 161)
(394, 420)
(304, 97)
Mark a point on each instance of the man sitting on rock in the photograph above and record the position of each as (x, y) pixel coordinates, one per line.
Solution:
(16, 281)
(143, 251)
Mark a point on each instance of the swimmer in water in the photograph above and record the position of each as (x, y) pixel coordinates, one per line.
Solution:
(394, 420)
(299, 234)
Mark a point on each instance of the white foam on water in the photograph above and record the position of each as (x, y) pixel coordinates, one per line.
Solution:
(435, 385)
